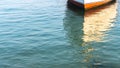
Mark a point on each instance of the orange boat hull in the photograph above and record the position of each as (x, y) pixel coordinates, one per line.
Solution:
(96, 4)
(90, 5)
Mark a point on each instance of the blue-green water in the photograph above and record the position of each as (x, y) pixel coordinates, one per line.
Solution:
(46, 34)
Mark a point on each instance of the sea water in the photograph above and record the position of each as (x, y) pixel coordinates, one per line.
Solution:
(47, 34)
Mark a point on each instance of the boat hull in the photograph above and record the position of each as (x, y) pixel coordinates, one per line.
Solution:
(91, 5)
(75, 4)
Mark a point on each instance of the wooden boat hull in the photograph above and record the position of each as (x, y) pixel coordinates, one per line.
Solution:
(91, 5)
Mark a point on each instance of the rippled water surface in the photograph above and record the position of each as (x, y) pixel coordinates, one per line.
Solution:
(46, 34)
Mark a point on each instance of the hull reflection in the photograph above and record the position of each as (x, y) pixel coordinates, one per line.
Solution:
(73, 24)
(83, 29)
(98, 22)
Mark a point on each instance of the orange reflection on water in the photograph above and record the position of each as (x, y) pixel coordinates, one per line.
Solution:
(82, 30)
(97, 22)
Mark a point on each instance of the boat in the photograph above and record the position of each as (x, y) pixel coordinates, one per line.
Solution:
(88, 4)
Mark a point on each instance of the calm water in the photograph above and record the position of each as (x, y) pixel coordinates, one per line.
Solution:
(46, 34)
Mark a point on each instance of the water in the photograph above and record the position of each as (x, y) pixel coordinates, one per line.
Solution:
(46, 34)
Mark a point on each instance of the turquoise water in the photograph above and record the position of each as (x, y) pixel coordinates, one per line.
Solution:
(46, 34)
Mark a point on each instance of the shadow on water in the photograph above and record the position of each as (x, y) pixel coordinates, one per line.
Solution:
(84, 30)
(73, 23)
